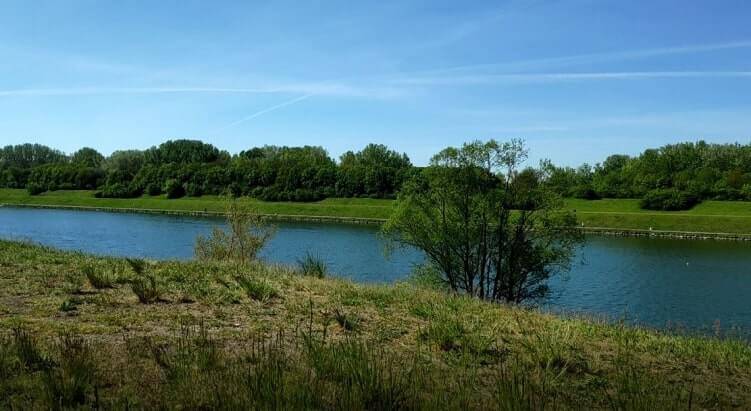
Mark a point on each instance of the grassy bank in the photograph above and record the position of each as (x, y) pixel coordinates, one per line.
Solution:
(80, 330)
(709, 216)
(331, 207)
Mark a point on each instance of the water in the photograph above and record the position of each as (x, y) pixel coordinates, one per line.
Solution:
(657, 282)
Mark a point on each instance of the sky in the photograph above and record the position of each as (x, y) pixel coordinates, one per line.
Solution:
(578, 80)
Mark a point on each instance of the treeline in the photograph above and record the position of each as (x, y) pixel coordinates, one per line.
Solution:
(672, 177)
(187, 167)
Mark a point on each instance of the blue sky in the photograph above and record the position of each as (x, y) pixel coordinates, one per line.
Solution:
(577, 79)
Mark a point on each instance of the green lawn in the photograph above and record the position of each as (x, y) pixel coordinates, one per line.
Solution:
(709, 216)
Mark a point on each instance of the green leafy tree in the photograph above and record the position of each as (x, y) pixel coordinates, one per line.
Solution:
(87, 157)
(492, 231)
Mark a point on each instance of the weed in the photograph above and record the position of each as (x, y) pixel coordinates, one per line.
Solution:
(312, 265)
(258, 289)
(99, 278)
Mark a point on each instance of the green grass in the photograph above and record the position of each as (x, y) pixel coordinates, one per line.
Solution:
(709, 216)
(325, 344)
(332, 207)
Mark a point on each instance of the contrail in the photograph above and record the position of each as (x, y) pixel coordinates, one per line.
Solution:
(594, 58)
(264, 111)
(557, 77)
(133, 90)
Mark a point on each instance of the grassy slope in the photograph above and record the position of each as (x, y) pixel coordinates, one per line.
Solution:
(710, 216)
(333, 207)
(333, 344)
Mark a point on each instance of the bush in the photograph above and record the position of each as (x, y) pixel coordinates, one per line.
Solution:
(668, 200)
(247, 234)
(585, 193)
(117, 190)
(174, 189)
(35, 189)
(312, 265)
(153, 189)
(194, 190)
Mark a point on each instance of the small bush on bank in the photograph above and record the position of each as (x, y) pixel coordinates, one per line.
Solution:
(312, 265)
(248, 233)
(145, 284)
(153, 189)
(117, 190)
(669, 200)
(174, 189)
(585, 193)
(35, 189)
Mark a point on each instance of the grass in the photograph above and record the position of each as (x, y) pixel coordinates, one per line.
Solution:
(732, 217)
(709, 216)
(331, 207)
(325, 344)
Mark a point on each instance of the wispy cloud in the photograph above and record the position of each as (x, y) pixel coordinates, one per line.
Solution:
(580, 59)
(130, 90)
(484, 79)
(264, 111)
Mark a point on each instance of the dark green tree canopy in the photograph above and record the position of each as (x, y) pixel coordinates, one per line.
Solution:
(87, 157)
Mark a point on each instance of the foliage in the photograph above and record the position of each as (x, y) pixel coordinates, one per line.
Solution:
(269, 173)
(35, 189)
(668, 200)
(87, 157)
(710, 171)
(493, 231)
(174, 189)
(241, 243)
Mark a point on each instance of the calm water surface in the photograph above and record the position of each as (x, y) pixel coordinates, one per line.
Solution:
(680, 284)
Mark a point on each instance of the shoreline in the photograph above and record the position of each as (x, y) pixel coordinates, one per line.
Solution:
(602, 231)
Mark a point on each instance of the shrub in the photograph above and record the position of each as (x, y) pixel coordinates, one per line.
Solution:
(247, 234)
(145, 285)
(258, 289)
(312, 265)
(35, 189)
(153, 189)
(146, 288)
(118, 190)
(194, 190)
(174, 189)
(668, 200)
(585, 192)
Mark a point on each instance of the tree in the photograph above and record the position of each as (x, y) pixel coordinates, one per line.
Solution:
(87, 157)
(490, 230)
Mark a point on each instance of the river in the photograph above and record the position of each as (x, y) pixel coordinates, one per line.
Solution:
(686, 285)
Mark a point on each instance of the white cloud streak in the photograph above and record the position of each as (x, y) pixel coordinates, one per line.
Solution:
(126, 90)
(593, 58)
(264, 111)
(484, 79)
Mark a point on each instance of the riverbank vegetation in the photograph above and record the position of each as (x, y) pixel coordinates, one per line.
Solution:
(200, 335)
(487, 230)
(671, 177)
(622, 214)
